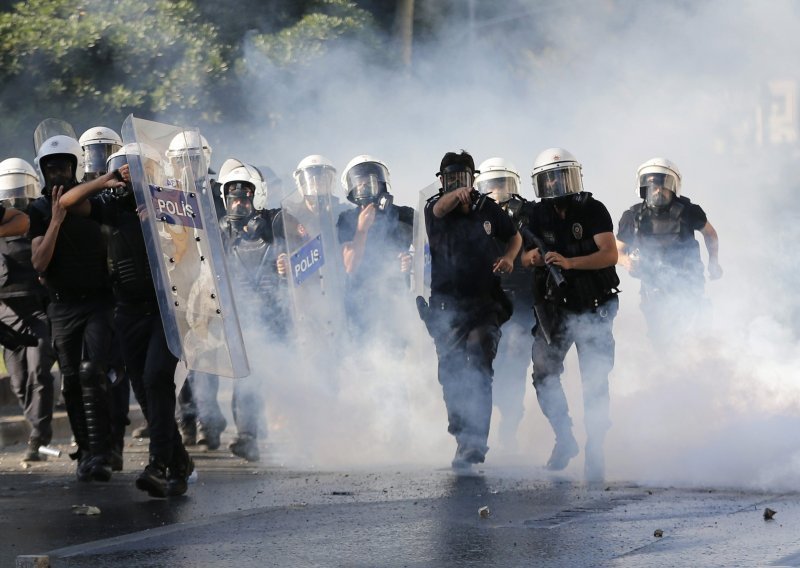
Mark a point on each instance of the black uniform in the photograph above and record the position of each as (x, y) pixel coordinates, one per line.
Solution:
(23, 307)
(513, 352)
(466, 309)
(80, 315)
(582, 312)
(148, 362)
(669, 264)
(377, 283)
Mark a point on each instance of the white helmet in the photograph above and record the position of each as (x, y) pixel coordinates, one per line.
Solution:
(239, 183)
(497, 178)
(98, 143)
(365, 178)
(151, 160)
(315, 175)
(654, 174)
(60, 146)
(556, 173)
(18, 180)
(191, 144)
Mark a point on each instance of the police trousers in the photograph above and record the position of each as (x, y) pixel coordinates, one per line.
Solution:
(466, 338)
(591, 332)
(151, 369)
(29, 367)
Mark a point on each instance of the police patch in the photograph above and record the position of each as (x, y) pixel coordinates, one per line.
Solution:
(577, 231)
(487, 226)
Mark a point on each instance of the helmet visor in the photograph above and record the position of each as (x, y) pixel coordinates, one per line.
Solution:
(315, 180)
(557, 183)
(239, 199)
(18, 185)
(657, 189)
(95, 157)
(365, 182)
(456, 177)
(499, 185)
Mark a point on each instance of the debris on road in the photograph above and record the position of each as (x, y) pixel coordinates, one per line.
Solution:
(484, 512)
(768, 514)
(658, 533)
(85, 510)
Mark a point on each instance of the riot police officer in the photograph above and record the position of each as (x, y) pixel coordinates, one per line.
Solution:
(23, 305)
(258, 265)
(375, 238)
(575, 287)
(70, 252)
(148, 361)
(657, 245)
(98, 143)
(499, 179)
(467, 305)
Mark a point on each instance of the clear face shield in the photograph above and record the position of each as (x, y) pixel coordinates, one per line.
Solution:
(95, 157)
(456, 177)
(366, 182)
(559, 182)
(315, 180)
(17, 186)
(19, 203)
(116, 163)
(188, 162)
(658, 190)
(239, 200)
(500, 186)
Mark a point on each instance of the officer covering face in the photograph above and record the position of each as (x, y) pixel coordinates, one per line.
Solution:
(467, 305)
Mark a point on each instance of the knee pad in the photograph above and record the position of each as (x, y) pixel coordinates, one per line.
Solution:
(91, 373)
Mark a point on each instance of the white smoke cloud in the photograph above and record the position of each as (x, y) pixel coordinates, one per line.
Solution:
(616, 83)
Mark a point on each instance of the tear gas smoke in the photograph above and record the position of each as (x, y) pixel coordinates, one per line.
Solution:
(712, 85)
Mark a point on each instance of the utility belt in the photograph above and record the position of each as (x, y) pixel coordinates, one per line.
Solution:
(586, 290)
(77, 296)
(145, 307)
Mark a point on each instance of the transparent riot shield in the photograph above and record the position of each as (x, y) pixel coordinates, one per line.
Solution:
(50, 127)
(316, 272)
(185, 250)
(421, 265)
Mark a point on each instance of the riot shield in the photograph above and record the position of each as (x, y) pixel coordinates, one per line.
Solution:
(185, 251)
(50, 127)
(421, 265)
(316, 272)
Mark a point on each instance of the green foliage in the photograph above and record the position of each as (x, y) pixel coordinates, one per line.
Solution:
(106, 57)
(310, 38)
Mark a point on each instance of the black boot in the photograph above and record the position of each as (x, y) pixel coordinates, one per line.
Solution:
(153, 479)
(96, 406)
(179, 471)
(73, 403)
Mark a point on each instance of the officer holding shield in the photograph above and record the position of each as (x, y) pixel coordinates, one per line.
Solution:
(148, 361)
(467, 304)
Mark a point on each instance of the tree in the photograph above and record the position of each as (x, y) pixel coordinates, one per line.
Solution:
(95, 61)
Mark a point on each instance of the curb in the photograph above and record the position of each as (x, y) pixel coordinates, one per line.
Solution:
(15, 429)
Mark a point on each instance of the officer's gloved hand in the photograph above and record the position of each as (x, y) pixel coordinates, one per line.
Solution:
(282, 264)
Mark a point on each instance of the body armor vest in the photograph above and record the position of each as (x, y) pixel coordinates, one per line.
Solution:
(127, 262)
(665, 240)
(17, 276)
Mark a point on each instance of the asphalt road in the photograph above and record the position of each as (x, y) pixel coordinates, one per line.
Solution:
(237, 514)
